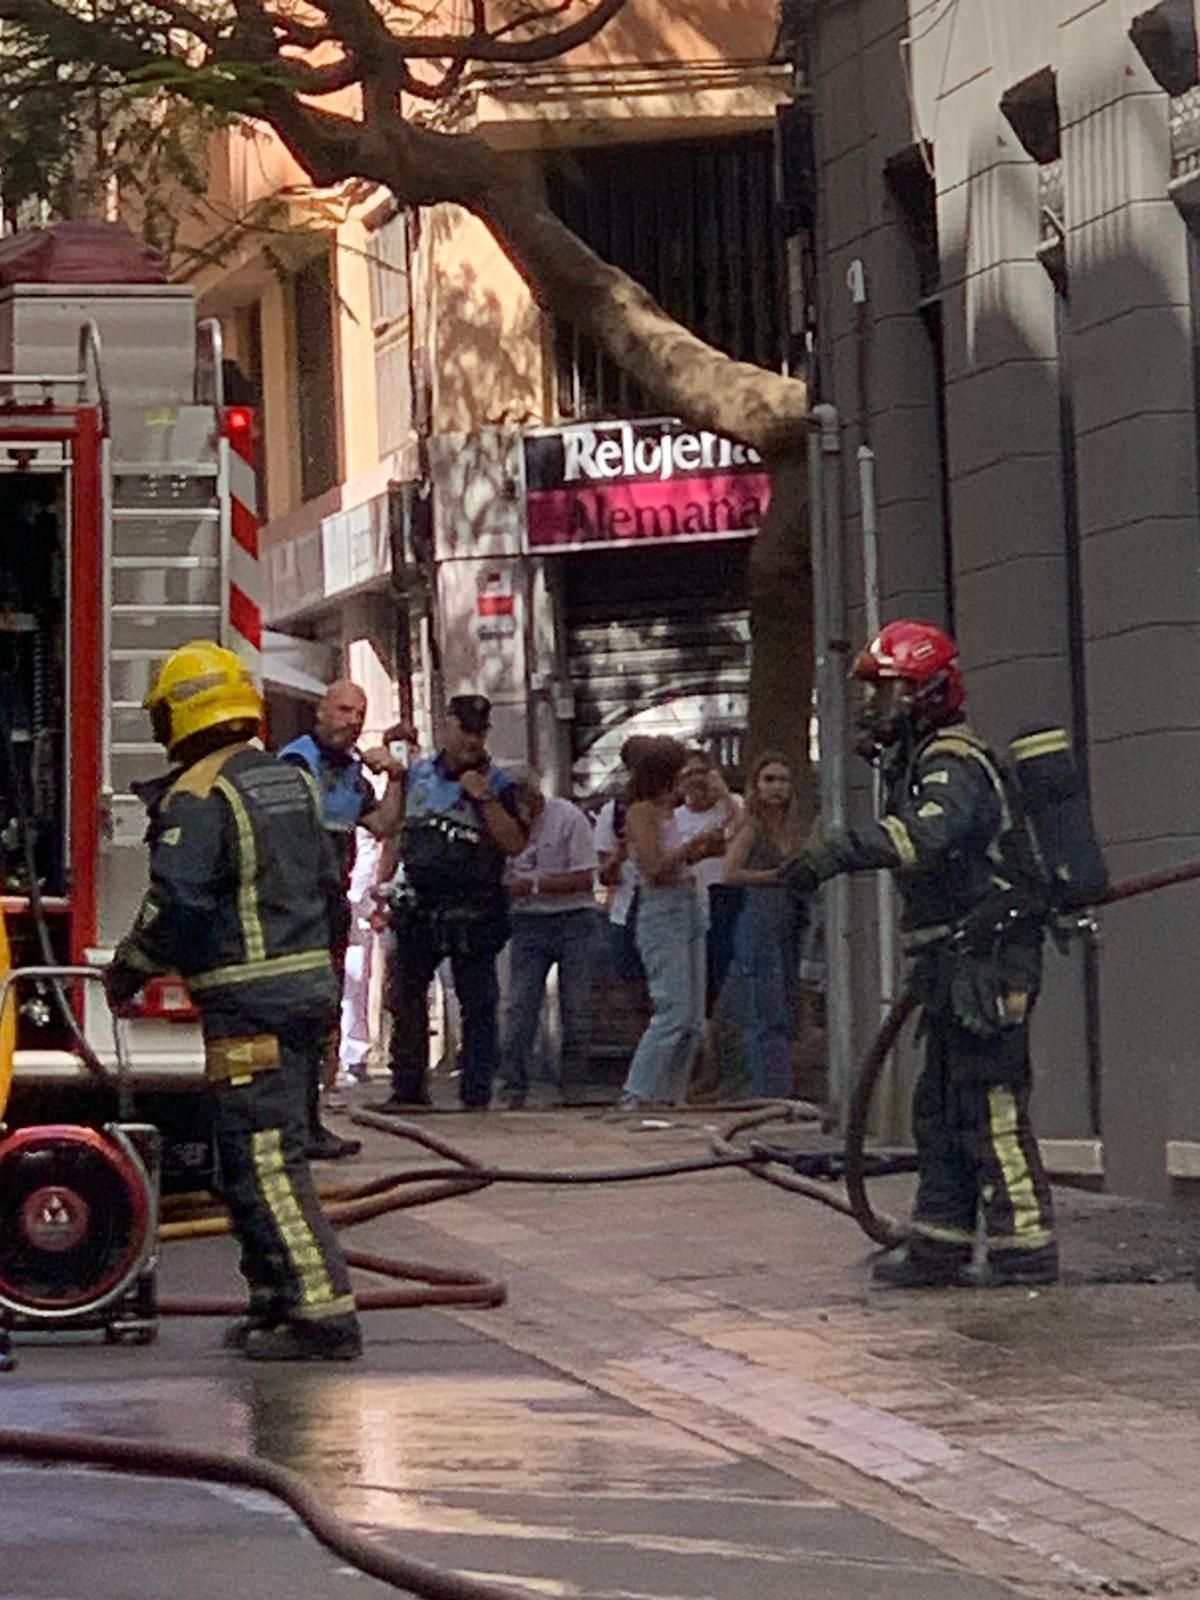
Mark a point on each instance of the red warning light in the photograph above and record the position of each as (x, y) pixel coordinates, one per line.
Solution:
(238, 419)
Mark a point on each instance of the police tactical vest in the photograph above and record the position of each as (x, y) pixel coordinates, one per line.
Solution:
(450, 858)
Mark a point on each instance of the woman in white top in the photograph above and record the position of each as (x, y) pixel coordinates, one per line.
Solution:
(707, 805)
(670, 924)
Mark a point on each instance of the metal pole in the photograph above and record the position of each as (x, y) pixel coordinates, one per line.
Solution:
(871, 604)
(829, 610)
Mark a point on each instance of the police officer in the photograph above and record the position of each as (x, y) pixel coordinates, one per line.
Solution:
(242, 876)
(950, 832)
(461, 821)
(348, 802)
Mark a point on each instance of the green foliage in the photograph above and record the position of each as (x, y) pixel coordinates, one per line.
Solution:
(74, 131)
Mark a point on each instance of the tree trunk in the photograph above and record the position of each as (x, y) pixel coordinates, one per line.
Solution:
(707, 389)
(781, 626)
(677, 370)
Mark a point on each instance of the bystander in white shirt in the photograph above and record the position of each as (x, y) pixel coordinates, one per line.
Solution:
(725, 815)
(560, 840)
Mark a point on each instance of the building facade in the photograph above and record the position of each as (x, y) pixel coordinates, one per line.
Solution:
(460, 494)
(1007, 258)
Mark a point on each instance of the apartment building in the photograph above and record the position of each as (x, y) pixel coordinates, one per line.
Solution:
(459, 493)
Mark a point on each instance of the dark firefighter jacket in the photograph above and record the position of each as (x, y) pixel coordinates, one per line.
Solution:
(242, 877)
(947, 832)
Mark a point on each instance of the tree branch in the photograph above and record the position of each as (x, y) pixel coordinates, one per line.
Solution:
(183, 17)
(675, 367)
(330, 78)
(524, 19)
(362, 26)
(424, 89)
(682, 373)
(302, 34)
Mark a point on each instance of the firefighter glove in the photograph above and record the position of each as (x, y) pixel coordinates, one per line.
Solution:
(801, 876)
(121, 983)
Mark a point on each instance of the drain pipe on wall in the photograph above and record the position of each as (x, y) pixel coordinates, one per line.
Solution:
(871, 604)
(831, 645)
(856, 283)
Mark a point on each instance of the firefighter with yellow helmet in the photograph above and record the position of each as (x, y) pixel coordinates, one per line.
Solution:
(241, 880)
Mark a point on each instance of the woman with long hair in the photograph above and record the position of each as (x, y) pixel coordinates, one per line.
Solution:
(669, 928)
(771, 924)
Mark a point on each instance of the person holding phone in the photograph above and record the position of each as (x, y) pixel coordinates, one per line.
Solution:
(330, 755)
(461, 824)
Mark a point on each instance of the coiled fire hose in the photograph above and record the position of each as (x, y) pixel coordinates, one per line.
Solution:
(880, 1228)
(461, 1174)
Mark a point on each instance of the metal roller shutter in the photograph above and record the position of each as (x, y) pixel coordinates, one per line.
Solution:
(658, 641)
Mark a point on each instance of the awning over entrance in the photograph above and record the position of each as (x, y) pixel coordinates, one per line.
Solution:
(297, 666)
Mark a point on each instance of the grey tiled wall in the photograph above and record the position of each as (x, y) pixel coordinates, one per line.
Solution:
(1126, 334)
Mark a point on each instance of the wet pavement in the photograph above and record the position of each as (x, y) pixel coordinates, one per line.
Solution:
(448, 1445)
(1059, 1427)
(692, 1392)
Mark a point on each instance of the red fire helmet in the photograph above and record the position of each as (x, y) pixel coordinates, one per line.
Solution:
(919, 654)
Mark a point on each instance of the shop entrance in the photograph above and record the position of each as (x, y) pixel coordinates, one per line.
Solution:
(658, 641)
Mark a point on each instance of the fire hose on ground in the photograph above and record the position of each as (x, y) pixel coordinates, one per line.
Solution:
(458, 1175)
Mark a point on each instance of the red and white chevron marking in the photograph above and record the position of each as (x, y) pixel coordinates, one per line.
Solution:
(245, 582)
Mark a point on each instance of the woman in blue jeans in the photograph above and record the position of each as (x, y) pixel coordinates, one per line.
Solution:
(670, 927)
(766, 941)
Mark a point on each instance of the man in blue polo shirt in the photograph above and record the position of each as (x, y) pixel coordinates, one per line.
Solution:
(348, 801)
(461, 823)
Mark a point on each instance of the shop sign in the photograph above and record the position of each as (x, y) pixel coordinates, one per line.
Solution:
(599, 484)
(495, 606)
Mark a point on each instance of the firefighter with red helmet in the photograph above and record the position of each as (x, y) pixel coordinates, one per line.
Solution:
(242, 876)
(949, 831)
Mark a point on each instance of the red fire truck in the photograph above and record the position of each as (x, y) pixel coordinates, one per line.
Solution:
(127, 527)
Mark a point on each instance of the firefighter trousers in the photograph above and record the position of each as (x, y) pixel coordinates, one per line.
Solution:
(291, 1259)
(977, 1154)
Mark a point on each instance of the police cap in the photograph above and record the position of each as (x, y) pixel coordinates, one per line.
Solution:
(474, 711)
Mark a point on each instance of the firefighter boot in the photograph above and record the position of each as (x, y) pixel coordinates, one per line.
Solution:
(238, 1333)
(906, 1268)
(1016, 1269)
(332, 1339)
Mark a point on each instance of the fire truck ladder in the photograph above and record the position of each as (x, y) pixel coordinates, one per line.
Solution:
(166, 579)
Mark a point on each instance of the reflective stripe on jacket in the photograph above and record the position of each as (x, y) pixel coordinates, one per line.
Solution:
(945, 831)
(242, 875)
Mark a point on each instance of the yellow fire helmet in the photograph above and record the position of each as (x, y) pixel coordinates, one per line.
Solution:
(200, 686)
